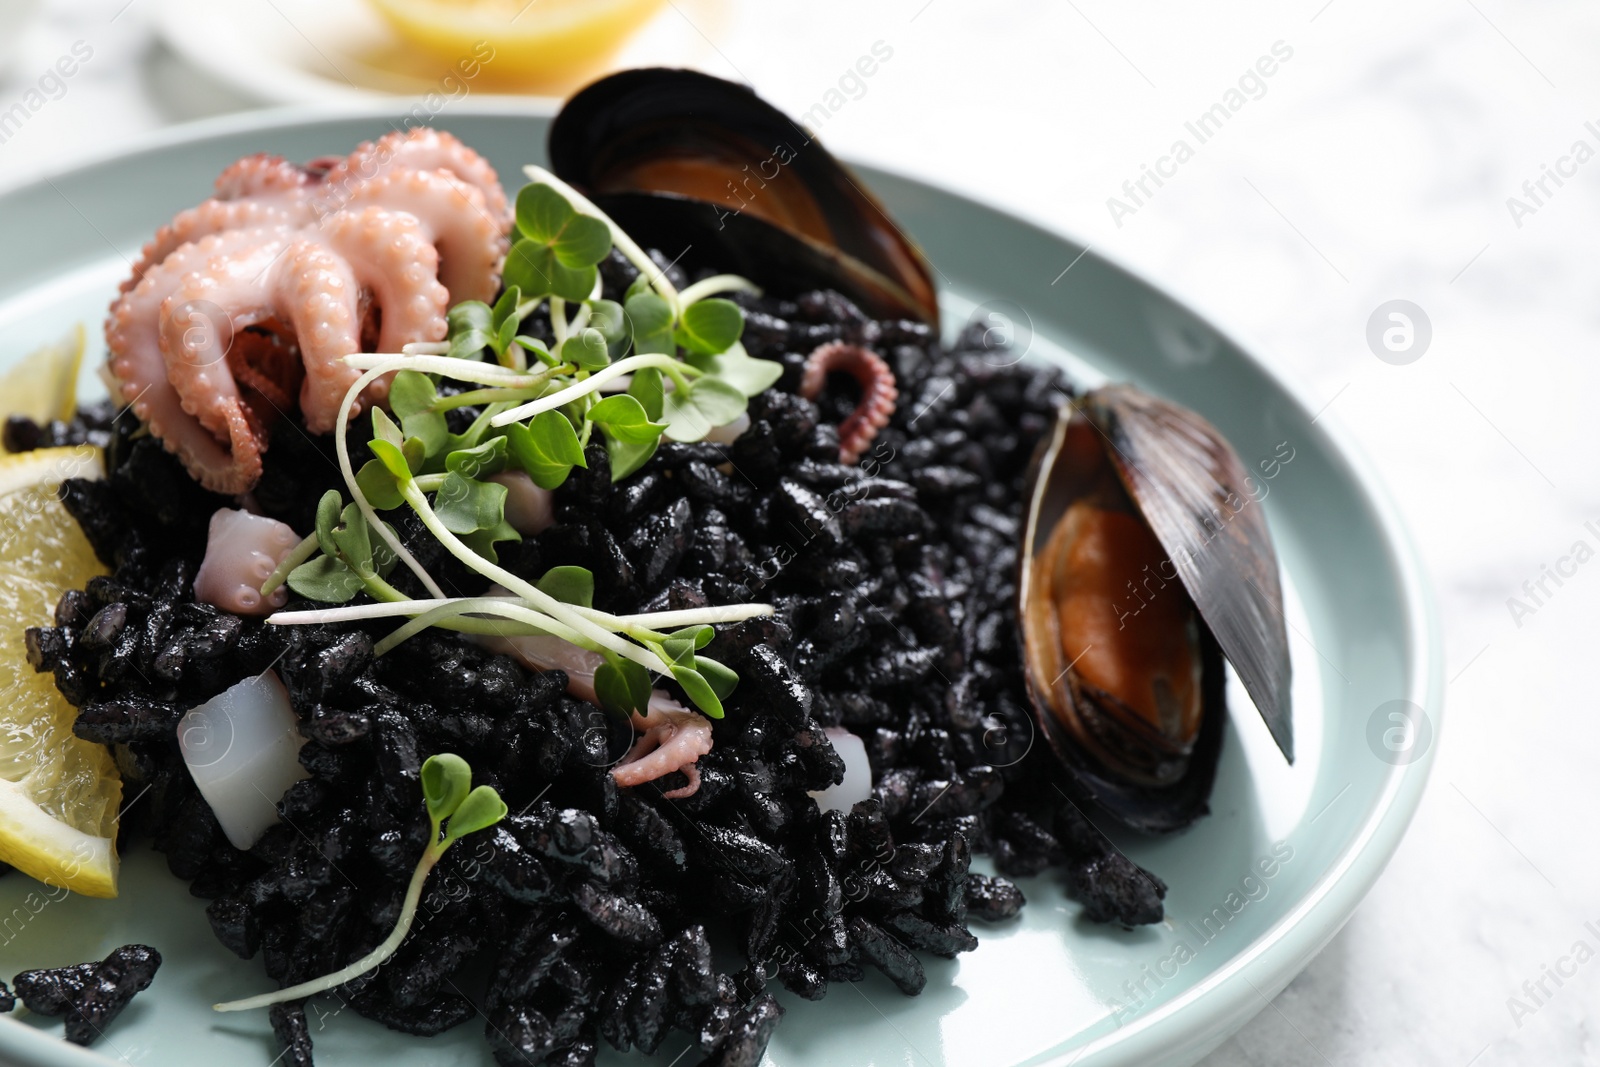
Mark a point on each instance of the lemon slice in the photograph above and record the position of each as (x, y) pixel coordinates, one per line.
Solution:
(550, 44)
(59, 794)
(44, 385)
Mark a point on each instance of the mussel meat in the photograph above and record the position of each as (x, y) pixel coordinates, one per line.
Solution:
(687, 161)
(1144, 563)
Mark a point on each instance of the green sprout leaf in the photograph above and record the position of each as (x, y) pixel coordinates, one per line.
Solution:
(622, 685)
(694, 412)
(739, 369)
(393, 458)
(379, 485)
(481, 809)
(504, 308)
(647, 389)
(466, 505)
(559, 247)
(546, 448)
(328, 511)
(483, 541)
(570, 585)
(504, 336)
(446, 781)
(650, 322)
(700, 635)
(586, 350)
(429, 430)
(679, 650)
(628, 456)
(354, 541)
(710, 326)
(544, 215)
(722, 679)
(471, 326)
(470, 315)
(623, 418)
(534, 268)
(698, 690)
(327, 579)
(481, 461)
(608, 317)
(384, 428)
(411, 393)
(537, 347)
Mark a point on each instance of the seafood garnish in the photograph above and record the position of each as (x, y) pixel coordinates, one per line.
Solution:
(878, 392)
(527, 424)
(688, 161)
(243, 307)
(1140, 557)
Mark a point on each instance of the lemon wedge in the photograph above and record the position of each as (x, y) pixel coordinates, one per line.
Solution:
(59, 794)
(548, 44)
(44, 385)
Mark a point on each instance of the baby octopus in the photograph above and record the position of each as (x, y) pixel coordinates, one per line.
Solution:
(243, 307)
(878, 392)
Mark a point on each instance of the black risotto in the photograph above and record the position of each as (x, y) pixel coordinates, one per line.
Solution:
(590, 913)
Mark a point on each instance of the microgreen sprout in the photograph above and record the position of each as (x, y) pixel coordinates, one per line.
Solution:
(455, 809)
(657, 364)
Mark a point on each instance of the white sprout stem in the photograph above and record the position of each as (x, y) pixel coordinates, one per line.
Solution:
(375, 958)
(558, 319)
(581, 319)
(589, 385)
(537, 621)
(298, 555)
(399, 609)
(420, 608)
(368, 512)
(687, 617)
(619, 237)
(428, 348)
(587, 630)
(717, 283)
(466, 370)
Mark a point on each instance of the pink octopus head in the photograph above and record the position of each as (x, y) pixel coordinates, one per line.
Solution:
(239, 312)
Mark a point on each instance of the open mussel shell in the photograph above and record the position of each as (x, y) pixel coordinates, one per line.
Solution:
(756, 192)
(1141, 538)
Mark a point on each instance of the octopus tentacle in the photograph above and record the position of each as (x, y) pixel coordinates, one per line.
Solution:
(470, 239)
(392, 257)
(228, 460)
(878, 392)
(214, 216)
(197, 323)
(259, 174)
(670, 742)
(421, 148)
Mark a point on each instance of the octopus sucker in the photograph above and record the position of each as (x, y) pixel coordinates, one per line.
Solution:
(243, 307)
(878, 392)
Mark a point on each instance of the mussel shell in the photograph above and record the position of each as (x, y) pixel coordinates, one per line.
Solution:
(698, 235)
(1189, 486)
(774, 200)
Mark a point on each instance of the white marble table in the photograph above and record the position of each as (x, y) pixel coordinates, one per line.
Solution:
(1375, 163)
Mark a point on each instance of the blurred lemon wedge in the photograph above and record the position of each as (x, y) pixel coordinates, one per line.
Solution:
(44, 385)
(59, 794)
(549, 44)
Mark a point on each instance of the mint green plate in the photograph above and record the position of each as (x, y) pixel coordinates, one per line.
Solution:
(1256, 889)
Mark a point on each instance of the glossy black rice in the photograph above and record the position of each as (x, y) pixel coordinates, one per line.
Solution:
(590, 913)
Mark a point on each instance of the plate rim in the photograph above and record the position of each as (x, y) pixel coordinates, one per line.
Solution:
(1272, 959)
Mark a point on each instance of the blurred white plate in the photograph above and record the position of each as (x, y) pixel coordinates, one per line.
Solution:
(324, 51)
